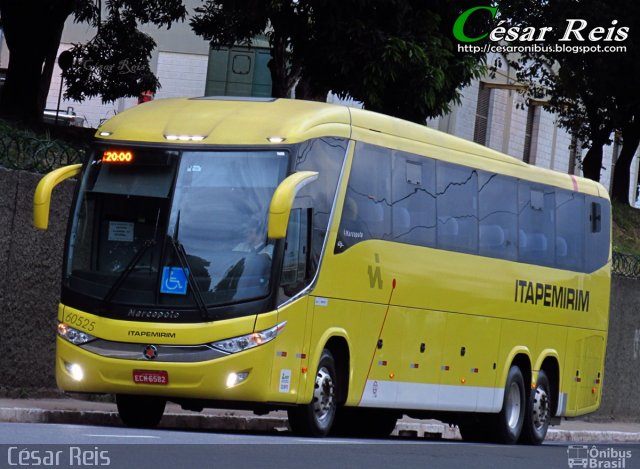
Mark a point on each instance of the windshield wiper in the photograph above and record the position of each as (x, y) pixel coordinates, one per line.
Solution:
(181, 254)
(128, 269)
(147, 243)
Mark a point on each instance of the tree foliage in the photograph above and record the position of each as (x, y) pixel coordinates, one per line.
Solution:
(115, 62)
(591, 92)
(396, 57)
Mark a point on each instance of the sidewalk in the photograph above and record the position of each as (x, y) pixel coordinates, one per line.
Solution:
(101, 413)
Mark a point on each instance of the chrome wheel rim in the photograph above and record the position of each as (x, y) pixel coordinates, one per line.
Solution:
(324, 402)
(514, 403)
(540, 411)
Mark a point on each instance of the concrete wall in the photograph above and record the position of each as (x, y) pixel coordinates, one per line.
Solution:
(30, 263)
(621, 398)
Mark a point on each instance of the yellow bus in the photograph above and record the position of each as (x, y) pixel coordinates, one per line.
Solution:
(342, 265)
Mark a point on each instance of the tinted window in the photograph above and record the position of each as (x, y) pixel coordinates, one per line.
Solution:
(408, 198)
(536, 238)
(569, 239)
(414, 200)
(326, 156)
(367, 206)
(457, 207)
(598, 230)
(498, 233)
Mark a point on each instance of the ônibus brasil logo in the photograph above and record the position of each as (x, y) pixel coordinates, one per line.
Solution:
(576, 29)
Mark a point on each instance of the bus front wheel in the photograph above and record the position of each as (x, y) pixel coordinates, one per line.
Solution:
(316, 418)
(140, 411)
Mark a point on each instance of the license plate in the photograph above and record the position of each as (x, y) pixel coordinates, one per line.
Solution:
(150, 377)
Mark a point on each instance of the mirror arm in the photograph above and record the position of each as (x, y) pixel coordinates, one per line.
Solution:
(282, 201)
(42, 195)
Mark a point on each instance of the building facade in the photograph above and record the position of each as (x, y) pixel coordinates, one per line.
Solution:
(493, 111)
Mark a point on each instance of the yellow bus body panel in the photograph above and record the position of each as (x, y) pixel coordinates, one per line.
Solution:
(424, 328)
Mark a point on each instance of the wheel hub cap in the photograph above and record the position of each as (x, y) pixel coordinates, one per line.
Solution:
(323, 396)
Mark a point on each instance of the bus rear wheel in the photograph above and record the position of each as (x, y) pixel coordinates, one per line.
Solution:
(140, 411)
(316, 418)
(538, 412)
(510, 420)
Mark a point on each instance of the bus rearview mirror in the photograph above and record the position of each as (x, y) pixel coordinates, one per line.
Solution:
(282, 201)
(42, 196)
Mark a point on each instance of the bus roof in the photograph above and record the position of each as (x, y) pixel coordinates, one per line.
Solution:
(229, 120)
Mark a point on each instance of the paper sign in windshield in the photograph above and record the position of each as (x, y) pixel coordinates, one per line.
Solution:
(121, 231)
(174, 280)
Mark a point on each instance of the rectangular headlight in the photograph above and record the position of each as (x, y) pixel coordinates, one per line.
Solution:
(245, 342)
(74, 335)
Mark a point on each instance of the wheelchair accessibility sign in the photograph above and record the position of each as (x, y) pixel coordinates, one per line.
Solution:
(174, 280)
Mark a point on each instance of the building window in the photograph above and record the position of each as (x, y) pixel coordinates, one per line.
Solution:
(531, 134)
(482, 115)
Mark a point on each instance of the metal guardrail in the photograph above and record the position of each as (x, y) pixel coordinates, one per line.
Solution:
(625, 265)
(20, 150)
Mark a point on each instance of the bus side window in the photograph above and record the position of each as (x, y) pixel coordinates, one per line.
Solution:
(326, 157)
(366, 213)
(295, 263)
(413, 211)
(569, 240)
(597, 228)
(497, 214)
(457, 207)
(536, 206)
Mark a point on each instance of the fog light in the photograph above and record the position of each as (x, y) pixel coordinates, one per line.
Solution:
(236, 378)
(75, 371)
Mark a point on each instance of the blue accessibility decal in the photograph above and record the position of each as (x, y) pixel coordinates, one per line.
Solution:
(174, 280)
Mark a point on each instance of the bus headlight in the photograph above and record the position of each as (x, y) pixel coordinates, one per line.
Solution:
(74, 335)
(245, 342)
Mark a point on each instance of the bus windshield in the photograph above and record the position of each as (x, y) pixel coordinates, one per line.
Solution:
(174, 229)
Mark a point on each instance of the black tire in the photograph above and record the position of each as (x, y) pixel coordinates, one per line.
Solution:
(364, 423)
(538, 412)
(140, 411)
(316, 418)
(509, 422)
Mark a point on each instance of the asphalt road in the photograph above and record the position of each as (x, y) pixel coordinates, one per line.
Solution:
(53, 445)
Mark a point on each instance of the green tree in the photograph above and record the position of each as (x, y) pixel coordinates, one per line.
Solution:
(396, 57)
(114, 64)
(592, 93)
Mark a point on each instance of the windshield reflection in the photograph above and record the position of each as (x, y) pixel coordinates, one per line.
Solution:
(183, 230)
(221, 202)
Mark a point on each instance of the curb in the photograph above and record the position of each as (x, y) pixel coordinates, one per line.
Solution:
(169, 420)
(428, 431)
